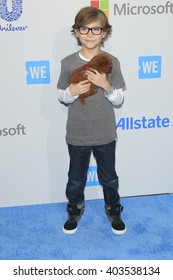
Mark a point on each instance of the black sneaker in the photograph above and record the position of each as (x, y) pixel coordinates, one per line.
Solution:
(74, 214)
(114, 216)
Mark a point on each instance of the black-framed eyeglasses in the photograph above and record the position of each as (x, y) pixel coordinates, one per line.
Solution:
(95, 30)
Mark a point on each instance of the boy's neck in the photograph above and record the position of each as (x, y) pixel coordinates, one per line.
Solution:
(89, 54)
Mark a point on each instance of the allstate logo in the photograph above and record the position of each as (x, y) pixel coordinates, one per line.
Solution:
(10, 11)
(131, 123)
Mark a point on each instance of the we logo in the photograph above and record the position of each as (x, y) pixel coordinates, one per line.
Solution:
(150, 67)
(38, 72)
(10, 10)
(92, 178)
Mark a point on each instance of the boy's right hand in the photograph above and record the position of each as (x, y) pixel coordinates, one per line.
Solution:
(80, 88)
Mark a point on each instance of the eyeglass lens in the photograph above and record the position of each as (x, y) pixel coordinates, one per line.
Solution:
(94, 30)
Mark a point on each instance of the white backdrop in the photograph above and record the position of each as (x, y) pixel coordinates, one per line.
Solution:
(34, 37)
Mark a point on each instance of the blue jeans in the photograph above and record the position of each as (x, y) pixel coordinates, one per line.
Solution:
(77, 175)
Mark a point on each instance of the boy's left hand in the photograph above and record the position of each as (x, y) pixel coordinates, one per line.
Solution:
(98, 79)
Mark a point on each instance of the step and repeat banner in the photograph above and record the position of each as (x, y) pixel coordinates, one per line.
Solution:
(34, 36)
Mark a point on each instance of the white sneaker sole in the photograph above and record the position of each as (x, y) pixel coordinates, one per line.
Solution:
(119, 231)
(69, 231)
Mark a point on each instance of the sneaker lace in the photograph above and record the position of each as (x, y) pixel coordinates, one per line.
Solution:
(73, 212)
(116, 213)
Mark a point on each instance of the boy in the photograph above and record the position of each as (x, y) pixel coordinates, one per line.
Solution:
(91, 127)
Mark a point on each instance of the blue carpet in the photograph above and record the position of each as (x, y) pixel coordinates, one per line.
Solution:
(35, 232)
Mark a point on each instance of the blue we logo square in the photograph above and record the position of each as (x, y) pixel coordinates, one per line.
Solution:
(92, 178)
(38, 72)
(149, 67)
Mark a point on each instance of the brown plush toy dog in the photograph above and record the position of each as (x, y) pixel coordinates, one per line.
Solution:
(101, 62)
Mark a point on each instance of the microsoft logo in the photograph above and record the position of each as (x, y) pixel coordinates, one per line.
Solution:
(102, 5)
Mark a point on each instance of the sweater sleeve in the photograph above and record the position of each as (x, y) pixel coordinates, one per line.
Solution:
(115, 96)
(64, 96)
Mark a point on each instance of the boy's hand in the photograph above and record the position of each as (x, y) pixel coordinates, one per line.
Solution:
(80, 88)
(98, 79)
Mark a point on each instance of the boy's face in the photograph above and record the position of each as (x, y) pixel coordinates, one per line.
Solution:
(91, 39)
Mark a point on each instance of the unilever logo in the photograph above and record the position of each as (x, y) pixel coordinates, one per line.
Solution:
(10, 15)
(11, 11)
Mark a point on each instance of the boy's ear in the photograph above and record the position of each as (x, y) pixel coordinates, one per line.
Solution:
(104, 34)
(76, 32)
